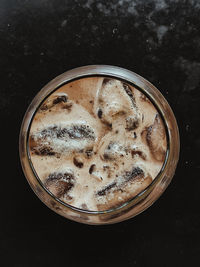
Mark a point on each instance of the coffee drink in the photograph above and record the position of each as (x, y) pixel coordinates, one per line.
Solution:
(97, 142)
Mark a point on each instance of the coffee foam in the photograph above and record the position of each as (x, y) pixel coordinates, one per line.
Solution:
(118, 145)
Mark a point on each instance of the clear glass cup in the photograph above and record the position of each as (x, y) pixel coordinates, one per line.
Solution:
(138, 203)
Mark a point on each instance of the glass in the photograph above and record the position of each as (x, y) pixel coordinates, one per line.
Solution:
(138, 203)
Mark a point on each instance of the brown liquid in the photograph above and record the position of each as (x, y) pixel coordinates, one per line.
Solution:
(97, 142)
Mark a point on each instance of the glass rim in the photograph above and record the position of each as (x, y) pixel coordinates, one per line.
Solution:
(97, 71)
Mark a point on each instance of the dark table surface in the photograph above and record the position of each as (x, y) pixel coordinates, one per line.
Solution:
(158, 39)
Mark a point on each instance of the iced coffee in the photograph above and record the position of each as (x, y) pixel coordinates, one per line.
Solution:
(97, 142)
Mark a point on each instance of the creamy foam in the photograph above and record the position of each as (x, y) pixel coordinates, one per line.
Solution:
(97, 142)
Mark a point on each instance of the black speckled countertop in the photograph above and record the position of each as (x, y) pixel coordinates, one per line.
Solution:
(158, 39)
